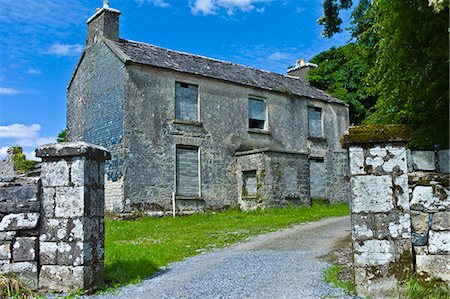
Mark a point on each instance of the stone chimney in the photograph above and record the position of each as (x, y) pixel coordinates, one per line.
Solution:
(301, 69)
(103, 24)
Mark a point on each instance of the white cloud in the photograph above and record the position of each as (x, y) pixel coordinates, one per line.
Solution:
(65, 49)
(32, 71)
(207, 7)
(3, 151)
(8, 91)
(22, 135)
(20, 131)
(157, 3)
(278, 56)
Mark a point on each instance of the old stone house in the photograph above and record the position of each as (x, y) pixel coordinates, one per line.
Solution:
(214, 133)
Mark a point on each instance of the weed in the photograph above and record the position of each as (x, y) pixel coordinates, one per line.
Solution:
(12, 287)
(417, 288)
(332, 275)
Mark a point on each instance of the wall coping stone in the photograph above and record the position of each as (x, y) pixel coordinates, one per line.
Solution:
(71, 149)
(376, 134)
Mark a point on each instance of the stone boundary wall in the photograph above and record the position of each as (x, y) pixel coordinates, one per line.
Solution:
(429, 191)
(400, 219)
(52, 226)
(19, 227)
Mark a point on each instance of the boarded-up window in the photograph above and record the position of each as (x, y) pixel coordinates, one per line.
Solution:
(186, 101)
(290, 181)
(315, 122)
(249, 187)
(187, 171)
(256, 114)
(317, 178)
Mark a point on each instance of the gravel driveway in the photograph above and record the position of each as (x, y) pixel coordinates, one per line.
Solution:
(282, 264)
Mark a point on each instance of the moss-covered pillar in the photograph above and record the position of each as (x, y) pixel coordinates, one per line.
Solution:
(381, 225)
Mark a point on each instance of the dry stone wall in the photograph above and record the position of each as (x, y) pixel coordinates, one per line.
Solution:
(20, 216)
(52, 226)
(430, 213)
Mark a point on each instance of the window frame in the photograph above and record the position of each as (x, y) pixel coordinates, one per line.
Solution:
(199, 177)
(265, 127)
(184, 120)
(322, 132)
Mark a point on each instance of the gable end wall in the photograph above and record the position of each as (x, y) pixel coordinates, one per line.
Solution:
(95, 100)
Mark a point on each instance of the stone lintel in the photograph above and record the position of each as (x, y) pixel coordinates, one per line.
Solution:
(73, 149)
(368, 135)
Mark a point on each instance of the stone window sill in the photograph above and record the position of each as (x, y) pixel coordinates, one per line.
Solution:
(185, 197)
(317, 139)
(250, 197)
(187, 122)
(259, 131)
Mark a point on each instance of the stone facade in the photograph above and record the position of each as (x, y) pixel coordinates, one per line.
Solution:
(400, 220)
(143, 102)
(52, 226)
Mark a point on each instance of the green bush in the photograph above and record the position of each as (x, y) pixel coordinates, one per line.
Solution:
(21, 164)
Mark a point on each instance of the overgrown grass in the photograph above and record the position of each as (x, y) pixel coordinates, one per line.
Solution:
(417, 288)
(332, 275)
(136, 249)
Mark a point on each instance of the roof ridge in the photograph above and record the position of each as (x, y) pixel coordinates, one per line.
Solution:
(214, 59)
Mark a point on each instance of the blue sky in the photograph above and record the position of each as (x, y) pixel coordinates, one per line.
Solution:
(42, 41)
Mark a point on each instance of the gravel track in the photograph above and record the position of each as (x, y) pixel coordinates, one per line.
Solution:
(282, 264)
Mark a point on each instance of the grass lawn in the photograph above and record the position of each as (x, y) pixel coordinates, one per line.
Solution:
(135, 249)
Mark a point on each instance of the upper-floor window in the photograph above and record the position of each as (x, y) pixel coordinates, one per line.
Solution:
(315, 122)
(257, 114)
(186, 101)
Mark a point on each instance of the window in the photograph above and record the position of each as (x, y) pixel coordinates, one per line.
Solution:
(187, 171)
(249, 187)
(256, 114)
(317, 178)
(315, 122)
(186, 101)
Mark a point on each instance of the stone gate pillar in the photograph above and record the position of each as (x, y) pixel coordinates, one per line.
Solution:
(71, 242)
(381, 226)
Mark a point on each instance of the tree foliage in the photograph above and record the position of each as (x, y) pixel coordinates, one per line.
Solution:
(62, 136)
(411, 70)
(341, 73)
(406, 65)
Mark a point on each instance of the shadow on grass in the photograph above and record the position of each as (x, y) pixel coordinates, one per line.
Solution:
(126, 271)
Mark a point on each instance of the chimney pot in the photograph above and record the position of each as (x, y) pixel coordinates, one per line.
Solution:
(105, 4)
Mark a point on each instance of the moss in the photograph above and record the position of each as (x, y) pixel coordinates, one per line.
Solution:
(438, 190)
(370, 134)
(403, 267)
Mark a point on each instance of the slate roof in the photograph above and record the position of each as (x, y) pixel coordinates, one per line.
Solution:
(188, 63)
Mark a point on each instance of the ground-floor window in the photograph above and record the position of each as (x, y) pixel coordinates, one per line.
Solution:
(317, 178)
(250, 183)
(187, 171)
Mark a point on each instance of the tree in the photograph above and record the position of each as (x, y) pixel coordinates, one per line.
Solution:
(341, 72)
(411, 72)
(408, 42)
(62, 136)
